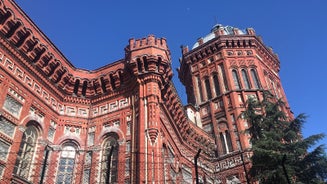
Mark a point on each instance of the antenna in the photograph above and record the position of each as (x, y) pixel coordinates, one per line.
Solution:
(216, 20)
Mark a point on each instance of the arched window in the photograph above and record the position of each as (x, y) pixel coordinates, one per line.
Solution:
(225, 138)
(109, 159)
(208, 88)
(255, 79)
(66, 164)
(26, 152)
(245, 79)
(236, 80)
(216, 82)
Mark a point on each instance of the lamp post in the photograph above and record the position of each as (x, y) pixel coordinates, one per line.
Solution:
(196, 166)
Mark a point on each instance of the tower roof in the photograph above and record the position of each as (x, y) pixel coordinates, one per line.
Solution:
(224, 30)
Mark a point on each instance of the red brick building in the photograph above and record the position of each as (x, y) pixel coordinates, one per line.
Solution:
(124, 122)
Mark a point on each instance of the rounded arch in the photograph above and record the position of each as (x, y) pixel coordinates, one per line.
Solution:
(234, 67)
(222, 126)
(33, 120)
(109, 164)
(112, 130)
(69, 139)
(68, 156)
(71, 142)
(28, 146)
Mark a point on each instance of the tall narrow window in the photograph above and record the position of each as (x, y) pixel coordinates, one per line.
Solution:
(26, 152)
(187, 177)
(245, 79)
(228, 141)
(146, 66)
(225, 138)
(208, 88)
(223, 142)
(198, 81)
(139, 65)
(223, 76)
(87, 167)
(109, 159)
(255, 79)
(66, 165)
(236, 80)
(216, 82)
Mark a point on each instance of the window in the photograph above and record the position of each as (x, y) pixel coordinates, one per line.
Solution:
(228, 141)
(236, 80)
(208, 88)
(216, 82)
(86, 176)
(87, 167)
(4, 150)
(208, 128)
(127, 167)
(245, 79)
(128, 131)
(7, 127)
(52, 130)
(255, 79)
(170, 156)
(2, 169)
(223, 142)
(223, 76)
(173, 175)
(225, 138)
(109, 159)
(12, 106)
(66, 164)
(187, 175)
(199, 86)
(128, 147)
(26, 152)
(90, 136)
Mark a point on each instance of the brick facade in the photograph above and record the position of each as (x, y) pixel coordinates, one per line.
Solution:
(124, 122)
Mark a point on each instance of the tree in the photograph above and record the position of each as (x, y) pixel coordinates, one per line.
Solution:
(277, 141)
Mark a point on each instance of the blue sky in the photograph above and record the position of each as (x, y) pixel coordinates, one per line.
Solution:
(91, 35)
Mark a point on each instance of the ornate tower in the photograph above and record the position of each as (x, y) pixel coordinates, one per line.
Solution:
(220, 72)
(148, 60)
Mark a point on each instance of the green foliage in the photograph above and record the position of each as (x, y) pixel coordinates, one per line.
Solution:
(275, 136)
